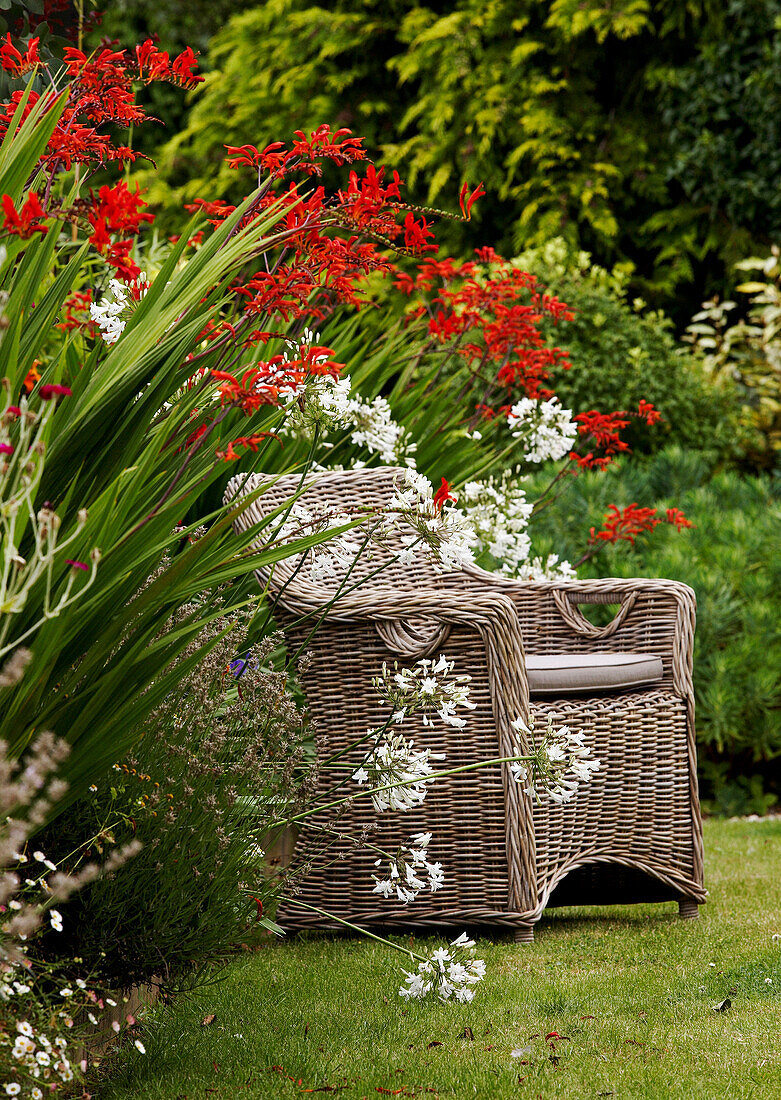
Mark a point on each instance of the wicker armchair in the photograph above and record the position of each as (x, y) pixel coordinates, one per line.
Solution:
(632, 834)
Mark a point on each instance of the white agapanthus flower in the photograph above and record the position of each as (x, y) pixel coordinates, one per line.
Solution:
(328, 560)
(376, 430)
(333, 398)
(546, 429)
(499, 512)
(447, 974)
(111, 314)
(552, 569)
(331, 403)
(443, 531)
(430, 688)
(397, 773)
(409, 871)
(561, 762)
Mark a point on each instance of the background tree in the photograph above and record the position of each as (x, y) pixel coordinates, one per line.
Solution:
(646, 131)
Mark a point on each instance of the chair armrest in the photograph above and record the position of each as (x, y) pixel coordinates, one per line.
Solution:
(656, 616)
(492, 615)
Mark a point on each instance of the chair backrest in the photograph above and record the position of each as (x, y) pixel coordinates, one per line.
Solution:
(335, 492)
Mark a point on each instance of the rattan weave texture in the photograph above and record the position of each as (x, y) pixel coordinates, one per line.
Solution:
(503, 854)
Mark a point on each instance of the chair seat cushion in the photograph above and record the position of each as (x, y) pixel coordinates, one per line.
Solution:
(562, 673)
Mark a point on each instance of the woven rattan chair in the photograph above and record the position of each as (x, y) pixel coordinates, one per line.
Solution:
(632, 834)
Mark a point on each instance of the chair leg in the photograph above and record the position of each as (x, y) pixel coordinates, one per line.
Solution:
(688, 909)
(524, 933)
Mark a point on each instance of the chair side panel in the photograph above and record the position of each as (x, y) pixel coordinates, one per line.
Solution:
(637, 810)
(465, 813)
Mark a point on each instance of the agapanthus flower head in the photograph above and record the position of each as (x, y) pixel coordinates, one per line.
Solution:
(546, 429)
(429, 689)
(552, 568)
(112, 313)
(499, 512)
(396, 772)
(449, 974)
(443, 532)
(560, 761)
(409, 871)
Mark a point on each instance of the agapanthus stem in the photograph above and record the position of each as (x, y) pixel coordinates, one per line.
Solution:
(405, 783)
(357, 928)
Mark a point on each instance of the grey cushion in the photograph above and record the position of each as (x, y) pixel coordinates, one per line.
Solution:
(562, 673)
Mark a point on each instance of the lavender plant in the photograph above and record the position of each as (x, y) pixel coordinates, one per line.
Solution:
(47, 1009)
(217, 761)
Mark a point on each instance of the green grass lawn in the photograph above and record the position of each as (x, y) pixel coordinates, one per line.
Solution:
(633, 990)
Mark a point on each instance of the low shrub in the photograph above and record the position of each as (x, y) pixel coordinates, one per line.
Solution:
(742, 350)
(621, 352)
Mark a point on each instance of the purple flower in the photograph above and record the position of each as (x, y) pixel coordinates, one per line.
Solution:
(237, 666)
(77, 564)
(6, 449)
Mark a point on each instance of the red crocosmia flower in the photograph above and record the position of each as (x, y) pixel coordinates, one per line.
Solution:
(416, 233)
(247, 156)
(253, 391)
(216, 211)
(118, 257)
(24, 223)
(443, 494)
(201, 430)
(181, 69)
(15, 62)
(676, 517)
(339, 146)
(228, 455)
(316, 359)
(122, 210)
(77, 313)
(6, 449)
(54, 389)
(625, 524)
(32, 377)
(250, 442)
(403, 282)
(647, 412)
(487, 255)
(304, 155)
(591, 461)
(154, 64)
(604, 428)
(77, 564)
(466, 203)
